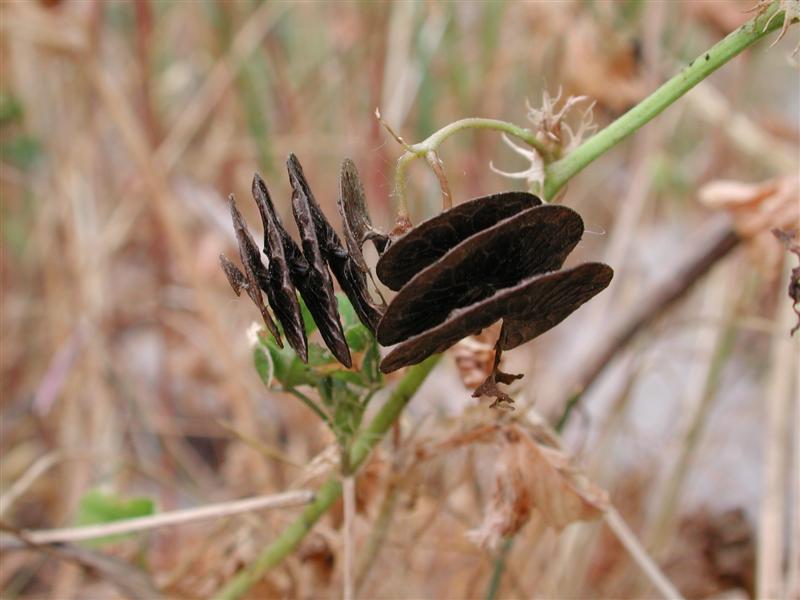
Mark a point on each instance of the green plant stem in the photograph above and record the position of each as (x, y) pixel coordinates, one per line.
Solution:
(309, 403)
(499, 568)
(331, 490)
(558, 173)
(432, 142)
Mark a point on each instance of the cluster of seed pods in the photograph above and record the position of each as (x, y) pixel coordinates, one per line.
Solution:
(491, 258)
(306, 268)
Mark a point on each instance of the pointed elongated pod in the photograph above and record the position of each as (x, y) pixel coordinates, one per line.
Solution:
(344, 267)
(357, 225)
(254, 271)
(279, 287)
(315, 284)
(351, 270)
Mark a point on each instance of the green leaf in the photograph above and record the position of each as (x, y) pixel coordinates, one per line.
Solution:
(319, 356)
(346, 311)
(287, 368)
(96, 507)
(264, 365)
(22, 151)
(10, 109)
(370, 367)
(308, 320)
(358, 337)
(347, 411)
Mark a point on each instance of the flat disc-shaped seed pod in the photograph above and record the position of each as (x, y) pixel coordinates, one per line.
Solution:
(432, 239)
(545, 299)
(351, 278)
(279, 287)
(356, 223)
(552, 301)
(537, 240)
(254, 270)
(315, 285)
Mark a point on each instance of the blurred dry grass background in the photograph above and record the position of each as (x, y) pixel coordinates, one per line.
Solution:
(125, 365)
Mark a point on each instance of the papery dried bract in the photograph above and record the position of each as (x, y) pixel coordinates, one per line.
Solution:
(534, 478)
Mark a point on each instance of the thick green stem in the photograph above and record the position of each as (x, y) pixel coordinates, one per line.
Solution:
(558, 173)
(331, 490)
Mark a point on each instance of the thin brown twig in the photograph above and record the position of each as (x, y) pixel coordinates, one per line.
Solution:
(715, 243)
(166, 519)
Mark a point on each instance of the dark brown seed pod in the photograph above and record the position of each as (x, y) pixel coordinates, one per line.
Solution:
(351, 278)
(356, 223)
(536, 240)
(552, 301)
(432, 239)
(254, 270)
(235, 277)
(352, 273)
(280, 290)
(543, 300)
(315, 285)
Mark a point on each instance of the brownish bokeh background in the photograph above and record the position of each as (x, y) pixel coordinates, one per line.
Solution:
(125, 364)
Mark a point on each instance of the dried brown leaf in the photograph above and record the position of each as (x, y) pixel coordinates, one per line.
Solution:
(756, 207)
(532, 477)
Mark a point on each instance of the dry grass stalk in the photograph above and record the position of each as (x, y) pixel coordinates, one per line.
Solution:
(772, 579)
(170, 518)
